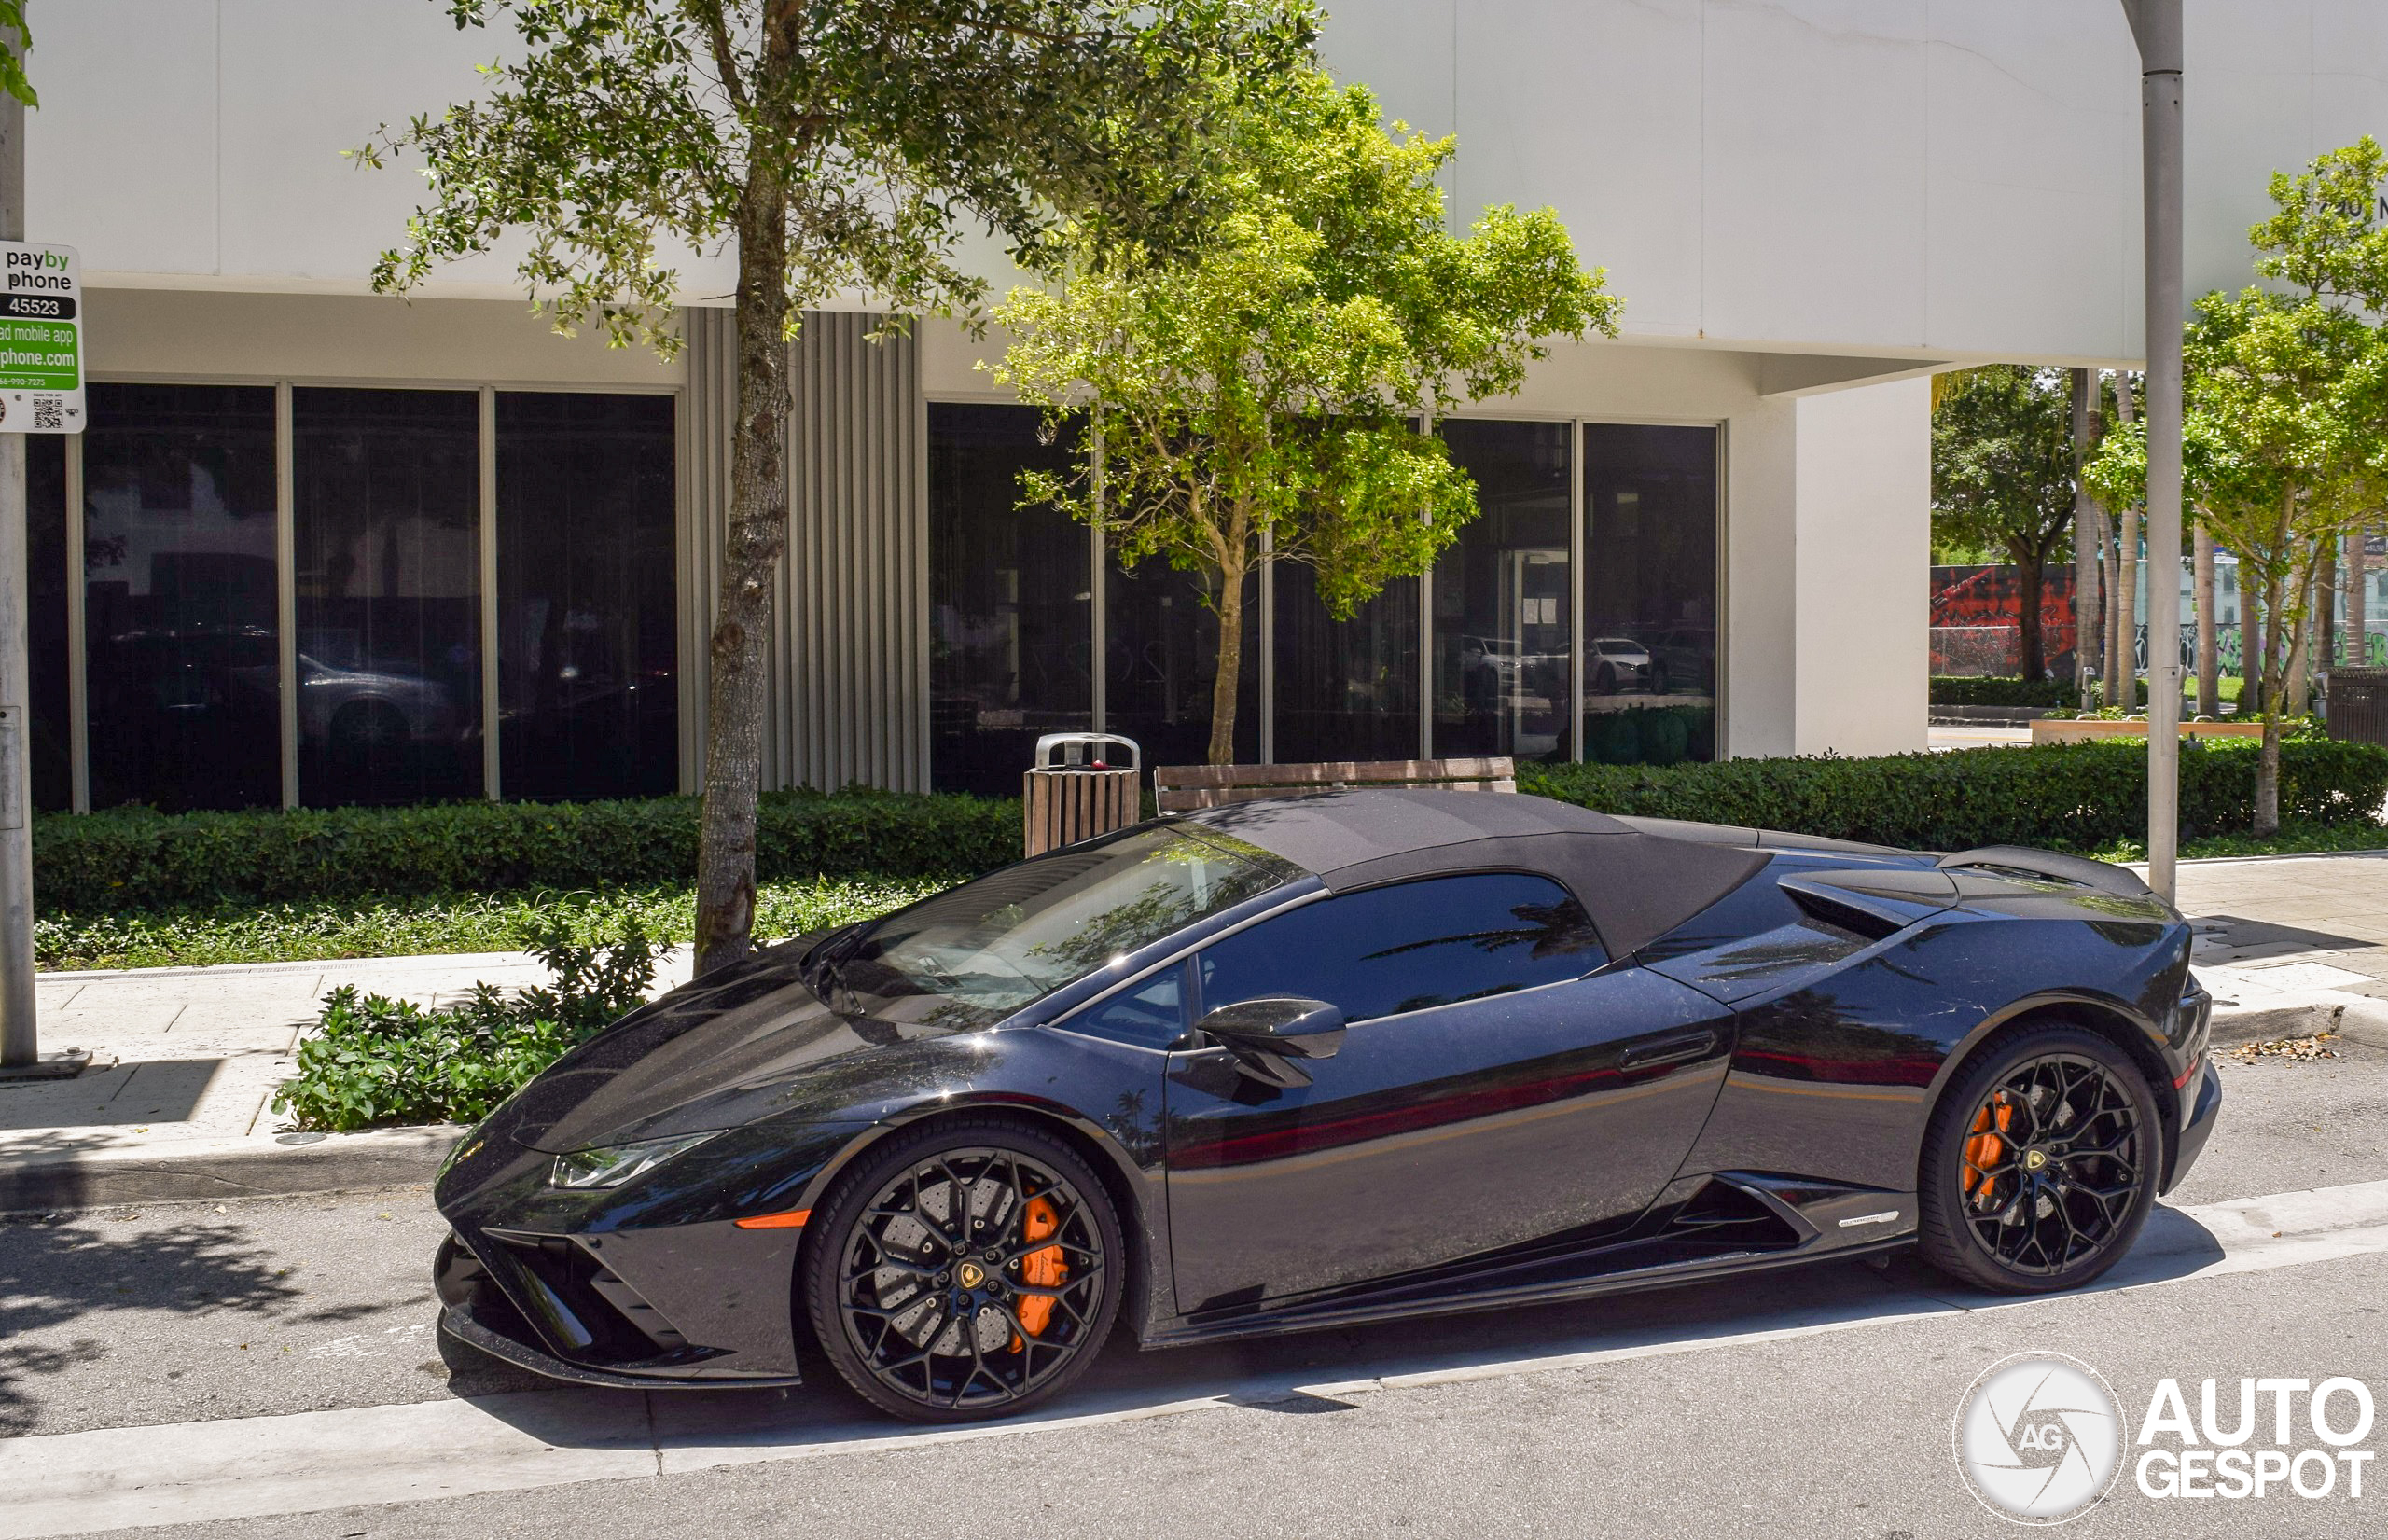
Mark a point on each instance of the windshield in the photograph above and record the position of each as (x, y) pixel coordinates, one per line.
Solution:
(979, 953)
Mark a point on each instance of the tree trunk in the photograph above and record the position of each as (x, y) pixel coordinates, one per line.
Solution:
(2110, 568)
(2300, 658)
(2126, 578)
(2209, 623)
(2028, 587)
(2359, 632)
(2268, 783)
(1229, 669)
(2084, 542)
(756, 539)
(2325, 594)
(2251, 646)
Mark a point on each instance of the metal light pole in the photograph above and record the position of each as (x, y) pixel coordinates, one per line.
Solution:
(2156, 25)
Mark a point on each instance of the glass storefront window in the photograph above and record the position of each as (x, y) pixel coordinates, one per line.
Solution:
(387, 575)
(178, 569)
(1500, 596)
(1345, 689)
(588, 658)
(1011, 636)
(47, 740)
(1162, 656)
(1649, 593)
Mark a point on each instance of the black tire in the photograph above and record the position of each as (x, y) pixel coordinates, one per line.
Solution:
(1604, 680)
(888, 1279)
(2040, 1164)
(1659, 681)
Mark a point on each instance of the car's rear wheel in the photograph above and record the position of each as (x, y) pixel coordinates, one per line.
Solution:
(2040, 1164)
(966, 1271)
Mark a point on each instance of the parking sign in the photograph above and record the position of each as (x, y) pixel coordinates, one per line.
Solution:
(41, 339)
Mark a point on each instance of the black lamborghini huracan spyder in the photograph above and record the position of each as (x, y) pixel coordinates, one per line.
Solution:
(1327, 1060)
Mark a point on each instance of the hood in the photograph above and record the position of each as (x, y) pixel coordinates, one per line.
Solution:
(737, 1044)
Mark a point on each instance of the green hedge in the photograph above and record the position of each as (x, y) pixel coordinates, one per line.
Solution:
(2081, 797)
(136, 860)
(1986, 691)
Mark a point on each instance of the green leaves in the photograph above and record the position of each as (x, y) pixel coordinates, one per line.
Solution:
(12, 58)
(619, 135)
(374, 1061)
(130, 860)
(2081, 797)
(1260, 390)
(2002, 461)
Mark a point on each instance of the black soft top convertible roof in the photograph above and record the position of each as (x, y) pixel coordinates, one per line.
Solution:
(1636, 886)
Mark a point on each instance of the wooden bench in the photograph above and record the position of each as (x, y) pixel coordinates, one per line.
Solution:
(1185, 788)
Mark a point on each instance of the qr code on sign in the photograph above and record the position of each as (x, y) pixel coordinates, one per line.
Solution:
(50, 415)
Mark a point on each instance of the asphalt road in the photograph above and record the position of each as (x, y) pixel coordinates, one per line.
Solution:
(1694, 1412)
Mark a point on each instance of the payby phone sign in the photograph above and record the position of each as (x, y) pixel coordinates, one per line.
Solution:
(41, 339)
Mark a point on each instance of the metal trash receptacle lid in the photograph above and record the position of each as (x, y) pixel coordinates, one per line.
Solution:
(1072, 794)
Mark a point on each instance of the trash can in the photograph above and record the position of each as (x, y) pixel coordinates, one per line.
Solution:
(2358, 705)
(1074, 791)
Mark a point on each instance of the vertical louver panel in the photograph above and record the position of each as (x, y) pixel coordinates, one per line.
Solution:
(848, 653)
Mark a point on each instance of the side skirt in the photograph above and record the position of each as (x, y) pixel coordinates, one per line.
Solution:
(1701, 1228)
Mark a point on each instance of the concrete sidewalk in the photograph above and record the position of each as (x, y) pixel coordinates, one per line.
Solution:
(196, 1053)
(2288, 945)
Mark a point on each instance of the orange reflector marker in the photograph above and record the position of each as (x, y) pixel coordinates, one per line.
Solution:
(791, 1219)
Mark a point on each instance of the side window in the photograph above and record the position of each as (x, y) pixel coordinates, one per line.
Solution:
(1405, 948)
(1150, 1015)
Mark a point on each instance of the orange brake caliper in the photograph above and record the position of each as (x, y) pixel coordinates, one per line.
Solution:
(1985, 1147)
(1043, 1268)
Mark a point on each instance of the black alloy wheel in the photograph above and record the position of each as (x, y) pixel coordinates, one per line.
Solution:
(969, 1270)
(2041, 1162)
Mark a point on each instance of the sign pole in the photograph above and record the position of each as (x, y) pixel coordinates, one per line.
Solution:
(19, 1043)
(41, 391)
(2157, 24)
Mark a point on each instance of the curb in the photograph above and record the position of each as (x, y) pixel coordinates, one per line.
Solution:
(259, 1166)
(2356, 1018)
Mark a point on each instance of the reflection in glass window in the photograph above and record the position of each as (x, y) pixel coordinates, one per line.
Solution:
(1649, 593)
(1346, 689)
(1161, 638)
(388, 577)
(48, 754)
(179, 572)
(1151, 1014)
(1500, 596)
(1383, 951)
(587, 657)
(976, 954)
(1011, 639)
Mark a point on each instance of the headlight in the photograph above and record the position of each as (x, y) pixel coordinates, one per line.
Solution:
(615, 1164)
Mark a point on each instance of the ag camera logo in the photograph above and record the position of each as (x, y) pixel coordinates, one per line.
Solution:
(2039, 1439)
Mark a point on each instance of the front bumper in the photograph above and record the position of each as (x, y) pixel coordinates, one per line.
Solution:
(2202, 1097)
(649, 1310)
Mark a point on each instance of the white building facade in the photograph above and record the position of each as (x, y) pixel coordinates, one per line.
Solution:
(323, 547)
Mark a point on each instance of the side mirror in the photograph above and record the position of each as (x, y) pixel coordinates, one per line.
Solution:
(1268, 1034)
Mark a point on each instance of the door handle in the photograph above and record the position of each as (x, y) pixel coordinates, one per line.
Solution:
(1667, 1050)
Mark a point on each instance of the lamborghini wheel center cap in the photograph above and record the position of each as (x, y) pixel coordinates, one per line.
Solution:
(972, 1275)
(2035, 1159)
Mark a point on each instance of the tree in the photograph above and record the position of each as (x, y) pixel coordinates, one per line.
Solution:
(1259, 397)
(2282, 451)
(13, 81)
(843, 147)
(2002, 477)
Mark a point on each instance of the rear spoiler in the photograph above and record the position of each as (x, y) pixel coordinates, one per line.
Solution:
(2079, 870)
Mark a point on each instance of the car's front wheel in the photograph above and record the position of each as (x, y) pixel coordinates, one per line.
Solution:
(2040, 1164)
(967, 1269)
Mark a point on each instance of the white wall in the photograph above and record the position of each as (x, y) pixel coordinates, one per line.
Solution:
(213, 335)
(1912, 178)
(1862, 549)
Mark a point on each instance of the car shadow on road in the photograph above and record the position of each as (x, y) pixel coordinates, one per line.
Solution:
(1312, 1372)
(61, 1276)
